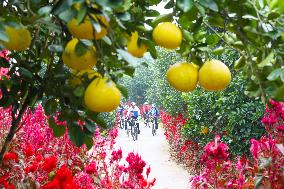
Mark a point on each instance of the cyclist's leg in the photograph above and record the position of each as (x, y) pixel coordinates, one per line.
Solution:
(156, 123)
(138, 126)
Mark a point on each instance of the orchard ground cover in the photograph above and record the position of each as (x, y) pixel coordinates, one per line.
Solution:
(215, 167)
(37, 159)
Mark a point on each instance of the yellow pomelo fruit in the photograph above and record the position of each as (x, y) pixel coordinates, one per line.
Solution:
(214, 75)
(77, 78)
(102, 95)
(72, 60)
(19, 39)
(167, 35)
(133, 48)
(183, 76)
(85, 29)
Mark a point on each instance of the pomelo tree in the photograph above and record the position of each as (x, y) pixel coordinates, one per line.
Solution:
(52, 43)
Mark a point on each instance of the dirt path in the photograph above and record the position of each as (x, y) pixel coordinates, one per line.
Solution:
(154, 150)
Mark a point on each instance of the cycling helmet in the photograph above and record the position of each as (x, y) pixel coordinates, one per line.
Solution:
(133, 103)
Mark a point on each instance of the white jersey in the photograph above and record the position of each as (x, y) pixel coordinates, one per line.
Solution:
(133, 109)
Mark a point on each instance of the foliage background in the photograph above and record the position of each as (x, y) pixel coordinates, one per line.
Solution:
(230, 113)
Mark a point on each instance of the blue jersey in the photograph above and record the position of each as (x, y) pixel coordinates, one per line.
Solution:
(154, 112)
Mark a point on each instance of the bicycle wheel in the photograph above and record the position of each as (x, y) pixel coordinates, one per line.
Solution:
(153, 129)
(132, 129)
(136, 131)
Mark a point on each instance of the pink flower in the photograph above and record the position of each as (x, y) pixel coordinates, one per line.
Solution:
(254, 148)
(92, 168)
(116, 155)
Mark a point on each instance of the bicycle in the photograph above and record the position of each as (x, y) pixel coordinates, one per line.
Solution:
(121, 122)
(153, 123)
(127, 126)
(134, 128)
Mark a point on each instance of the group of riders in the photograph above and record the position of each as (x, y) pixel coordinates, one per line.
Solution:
(129, 116)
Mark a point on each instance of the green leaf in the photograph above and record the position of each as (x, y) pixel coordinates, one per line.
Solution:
(162, 18)
(151, 46)
(26, 73)
(80, 48)
(79, 91)
(44, 10)
(123, 90)
(127, 57)
(129, 70)
(211, 4)
(58, 130)
(55, 48)
(61, 6)
(107, 40)
(126, 16)
(185, 5)
(240, 63)
(90, 126)
(187, 35)
(170, 4)
(218, 51)
(76, 134)
(96, 25)
(278, 94)
(212, 39)
(100, 121)
(3, 36)
(81, 14)
(110, 3)
(4, 63)
(67, 15)
(273, 15)
(50, 106)
(266, 61)
(275, 74)
(88, 140)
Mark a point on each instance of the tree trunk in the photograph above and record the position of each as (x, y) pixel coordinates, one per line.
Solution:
(12, 132)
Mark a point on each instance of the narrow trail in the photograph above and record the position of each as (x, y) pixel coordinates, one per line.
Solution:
(155, 151)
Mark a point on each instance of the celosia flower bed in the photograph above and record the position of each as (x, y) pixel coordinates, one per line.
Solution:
(217, 169)
(36, 159)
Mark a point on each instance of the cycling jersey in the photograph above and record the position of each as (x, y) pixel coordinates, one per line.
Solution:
(154, 112)
(133, 112)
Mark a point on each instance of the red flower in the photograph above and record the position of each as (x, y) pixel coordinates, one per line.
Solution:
(29, 151)
(32, 168)
(11, 156)
(148, 171)
(51, 185)
(39, 158)
(136, 164)
(49, 163)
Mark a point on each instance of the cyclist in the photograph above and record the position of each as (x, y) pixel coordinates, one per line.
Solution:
(134, 113)
(146, 109)
(154, 113)
(119, 113)
(125, 111)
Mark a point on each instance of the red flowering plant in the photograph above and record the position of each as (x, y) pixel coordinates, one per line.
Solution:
(36, 158)
(263, 170)
(183, 150)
